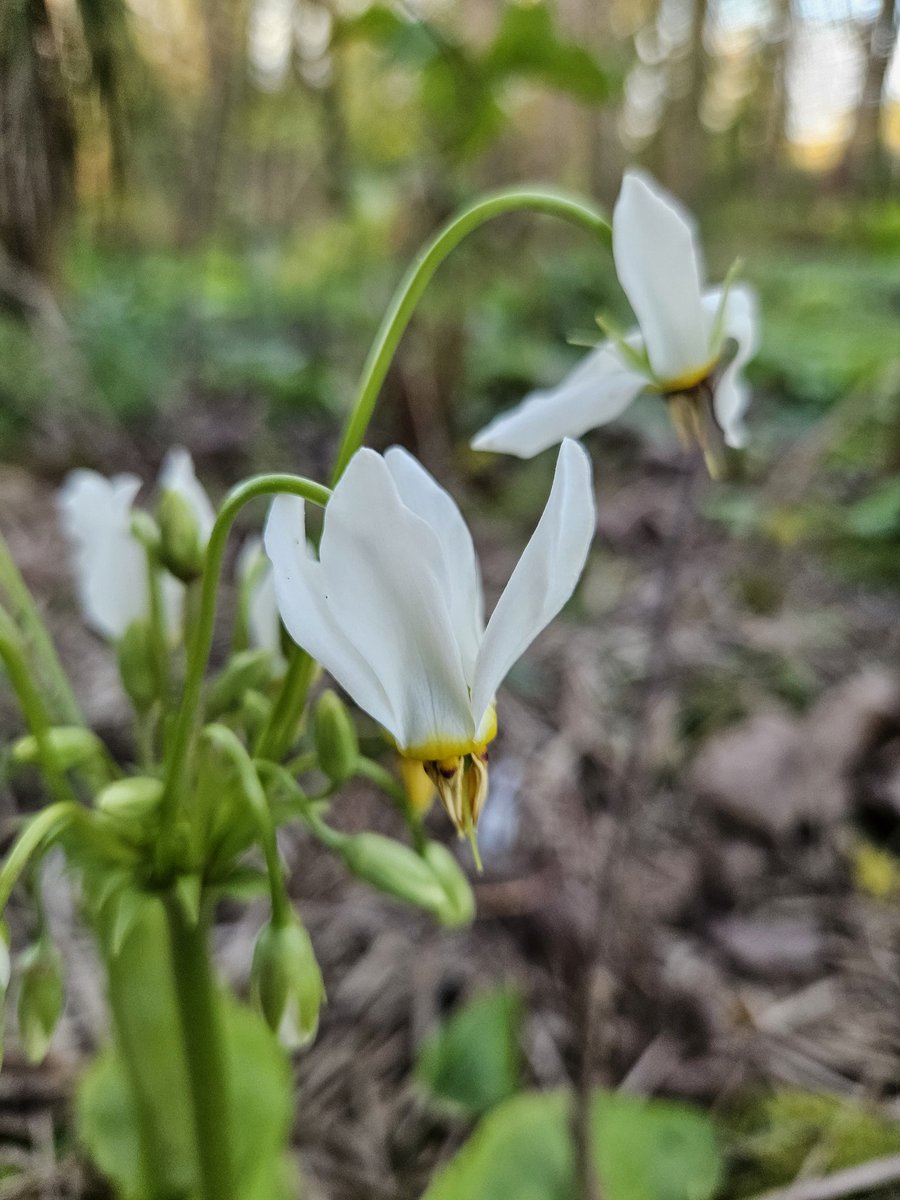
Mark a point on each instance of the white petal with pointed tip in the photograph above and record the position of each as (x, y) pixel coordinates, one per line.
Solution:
(598, 390)
(740, 321)
(383, 565)
(303, 604)
(659, 266)
(545, 576)
(177, 475)
(110, 565)
(460, 573)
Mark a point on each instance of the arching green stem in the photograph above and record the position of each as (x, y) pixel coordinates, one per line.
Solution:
(29, 622)
(201, 639)
(420, 272)
(33, 710)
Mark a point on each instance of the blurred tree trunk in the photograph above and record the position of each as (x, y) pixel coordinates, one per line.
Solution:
(37, 145)
(683, 140)
(226, 33)
(773, 90)
(864, 158)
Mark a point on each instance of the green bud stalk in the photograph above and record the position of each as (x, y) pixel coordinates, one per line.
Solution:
(286, 982)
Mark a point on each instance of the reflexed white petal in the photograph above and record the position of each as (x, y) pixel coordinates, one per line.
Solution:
(545, 576)
(305, 610)
(598, 390)
(263, 622)
(458, 567)
(378, 561)
(740, 322)
(659, 266)
(177, 475)
(110, 566)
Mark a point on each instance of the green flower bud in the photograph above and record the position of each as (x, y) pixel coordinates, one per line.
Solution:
(131, 799)
(256, 710)
(287, 984)
(460, 906)
(41, 998)
(72, 745)
(181, 548)
(137, 665)
(145, 530)
(393, 868)
(246, 671)
(335, 736)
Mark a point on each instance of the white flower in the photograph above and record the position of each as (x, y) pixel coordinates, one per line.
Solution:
(257, 583)
(111, 572)
(676, 351)
(393, 606)
(110, 565)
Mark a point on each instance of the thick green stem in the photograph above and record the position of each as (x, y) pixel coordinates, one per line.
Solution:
(417, 278)
(201, 639)
(204, 1049)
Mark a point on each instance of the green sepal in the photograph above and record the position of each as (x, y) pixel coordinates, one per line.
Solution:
(189, 891)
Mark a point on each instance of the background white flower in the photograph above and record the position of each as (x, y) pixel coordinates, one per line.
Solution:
(255, 574)
(111, 573)
(110, 565)
(676, 350)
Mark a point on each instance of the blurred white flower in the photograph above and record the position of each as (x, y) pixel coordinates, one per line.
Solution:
(393, 606)
(110, 564)
(111, 572)
(679, 349)
(256, 581)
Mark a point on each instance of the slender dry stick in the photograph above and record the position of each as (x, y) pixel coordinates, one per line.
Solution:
(611, 923)
(877, 1173)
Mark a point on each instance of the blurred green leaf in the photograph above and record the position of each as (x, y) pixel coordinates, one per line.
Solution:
(472, 1060)
(646, 1150)
(527, 44)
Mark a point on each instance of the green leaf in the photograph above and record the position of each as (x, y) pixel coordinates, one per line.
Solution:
(527, 44)
(645, 1150)
(654, 1149)
(472, 1061)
